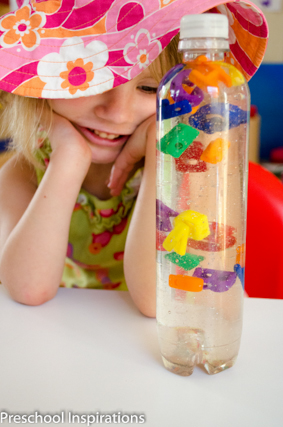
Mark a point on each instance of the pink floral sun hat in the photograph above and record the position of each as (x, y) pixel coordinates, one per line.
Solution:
(73, 48)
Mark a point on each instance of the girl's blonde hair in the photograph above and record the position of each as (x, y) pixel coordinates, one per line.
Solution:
(21, 116)
(20, 120)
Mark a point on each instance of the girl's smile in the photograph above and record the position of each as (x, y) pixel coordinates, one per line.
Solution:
(103, 138)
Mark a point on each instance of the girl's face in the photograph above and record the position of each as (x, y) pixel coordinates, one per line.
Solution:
(107, 120)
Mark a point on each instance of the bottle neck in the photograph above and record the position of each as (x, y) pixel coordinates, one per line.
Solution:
(213, 48)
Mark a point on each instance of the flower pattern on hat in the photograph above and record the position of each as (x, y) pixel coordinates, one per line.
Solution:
(143, 50)
(77, 76)
(68, 70)
(46, 45)
(22, 26)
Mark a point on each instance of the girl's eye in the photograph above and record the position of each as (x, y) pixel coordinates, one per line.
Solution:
(148, 89)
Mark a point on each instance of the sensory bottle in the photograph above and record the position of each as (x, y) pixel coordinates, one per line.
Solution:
(203, 109)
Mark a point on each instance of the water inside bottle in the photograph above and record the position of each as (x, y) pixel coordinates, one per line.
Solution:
(204, 328)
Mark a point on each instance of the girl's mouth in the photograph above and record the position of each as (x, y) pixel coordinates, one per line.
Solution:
(105, 135)
(102, 138)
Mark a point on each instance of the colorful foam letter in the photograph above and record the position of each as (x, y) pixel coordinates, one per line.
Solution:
(168, 111)
(216, 280)
(193, 153)
(197, 222)
(185, 283)
(163, 213)
(215, 150)
(187, 261)
(221, 237)
(177, 140)
(203, 81)
(177, 239)
(181, 88)
(211, 118)
(168, 76)
(189, 224)
(240, 271)
(160, 237)
(207, 73)
(241, 255)
(237, 77)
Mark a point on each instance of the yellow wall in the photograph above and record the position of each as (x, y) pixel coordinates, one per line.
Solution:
(274, 51)
(3, 9)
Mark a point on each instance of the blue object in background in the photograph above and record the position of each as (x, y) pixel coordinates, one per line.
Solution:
(266, 88)
(3, 144)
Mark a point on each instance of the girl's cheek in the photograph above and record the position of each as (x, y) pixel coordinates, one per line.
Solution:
(149, 110)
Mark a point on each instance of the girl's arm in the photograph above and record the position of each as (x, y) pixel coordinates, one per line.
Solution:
(139, 257)
(34, 222)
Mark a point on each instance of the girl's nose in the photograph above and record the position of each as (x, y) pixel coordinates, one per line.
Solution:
(117, 105)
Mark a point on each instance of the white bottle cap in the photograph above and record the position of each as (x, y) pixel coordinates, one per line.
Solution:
(204, 25)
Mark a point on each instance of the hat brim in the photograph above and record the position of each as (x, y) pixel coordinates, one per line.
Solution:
(69, 49)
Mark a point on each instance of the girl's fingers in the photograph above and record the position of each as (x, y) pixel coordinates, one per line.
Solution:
(131, 154)
(117, 180)
(120, 171)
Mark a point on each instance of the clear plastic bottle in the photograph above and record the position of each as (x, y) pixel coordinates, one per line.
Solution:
(202, 163)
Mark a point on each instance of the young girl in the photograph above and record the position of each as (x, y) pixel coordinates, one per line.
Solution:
(79, 98)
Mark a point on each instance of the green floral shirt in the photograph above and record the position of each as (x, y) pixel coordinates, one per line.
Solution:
(97, 233)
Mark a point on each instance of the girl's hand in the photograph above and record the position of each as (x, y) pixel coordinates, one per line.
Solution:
(65, 138)
(132, 153)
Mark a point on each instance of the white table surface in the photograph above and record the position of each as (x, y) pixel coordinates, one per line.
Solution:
(89, 351)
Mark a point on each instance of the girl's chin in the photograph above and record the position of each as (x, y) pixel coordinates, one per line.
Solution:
(104, 156)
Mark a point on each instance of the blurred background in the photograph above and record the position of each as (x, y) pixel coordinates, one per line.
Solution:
(266, 145)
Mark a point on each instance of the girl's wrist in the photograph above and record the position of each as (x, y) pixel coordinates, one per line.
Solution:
(74, 160)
